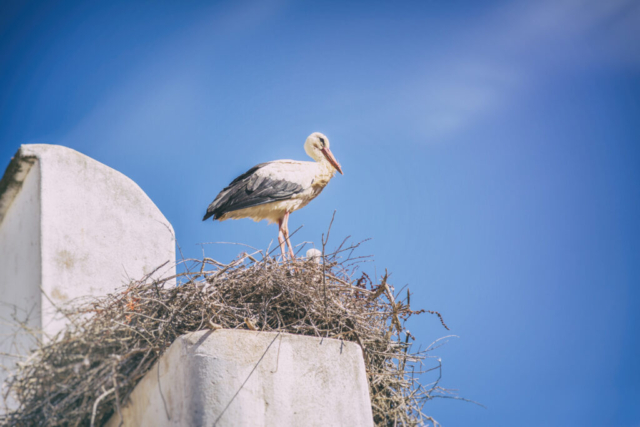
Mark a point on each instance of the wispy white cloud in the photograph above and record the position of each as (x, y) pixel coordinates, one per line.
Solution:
(157, 100)
(513, 50)
(486, 68)
(583, 31)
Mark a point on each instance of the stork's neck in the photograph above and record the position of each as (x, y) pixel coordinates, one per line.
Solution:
(326, 171)
(327, 166)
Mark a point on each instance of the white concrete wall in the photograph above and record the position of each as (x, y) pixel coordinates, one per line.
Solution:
(300, 381)
(99, 229)
(20, 266)
(71, 227)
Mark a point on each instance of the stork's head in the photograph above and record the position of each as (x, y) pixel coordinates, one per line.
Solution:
(317, 147)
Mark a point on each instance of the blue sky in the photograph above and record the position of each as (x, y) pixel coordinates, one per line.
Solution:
(491, 152)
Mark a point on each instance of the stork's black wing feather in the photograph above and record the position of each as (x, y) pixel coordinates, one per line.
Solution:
(251, 189)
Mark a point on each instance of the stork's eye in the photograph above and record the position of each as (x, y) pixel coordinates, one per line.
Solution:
(322, 140)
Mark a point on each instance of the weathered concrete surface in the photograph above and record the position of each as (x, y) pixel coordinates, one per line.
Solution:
(291, 380)
(20, 263)
(72, 227)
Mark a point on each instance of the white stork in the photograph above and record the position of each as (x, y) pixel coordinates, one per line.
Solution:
(273, 190)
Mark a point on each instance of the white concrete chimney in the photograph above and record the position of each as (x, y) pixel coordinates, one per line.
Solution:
(236, 378)
(70, 227)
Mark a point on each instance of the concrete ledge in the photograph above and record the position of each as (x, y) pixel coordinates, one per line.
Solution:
(291, 380)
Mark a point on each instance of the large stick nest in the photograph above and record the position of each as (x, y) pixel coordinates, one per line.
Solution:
(88, 371)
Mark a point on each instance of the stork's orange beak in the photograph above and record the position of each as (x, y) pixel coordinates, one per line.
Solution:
(329, 156)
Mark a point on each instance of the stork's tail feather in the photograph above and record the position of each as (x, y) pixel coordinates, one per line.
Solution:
(207, 216)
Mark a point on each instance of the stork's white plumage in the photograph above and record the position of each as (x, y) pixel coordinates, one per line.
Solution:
(314, 255)
(273, 190)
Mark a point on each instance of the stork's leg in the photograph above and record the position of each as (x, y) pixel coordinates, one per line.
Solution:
(281, 238)
(286, 234)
